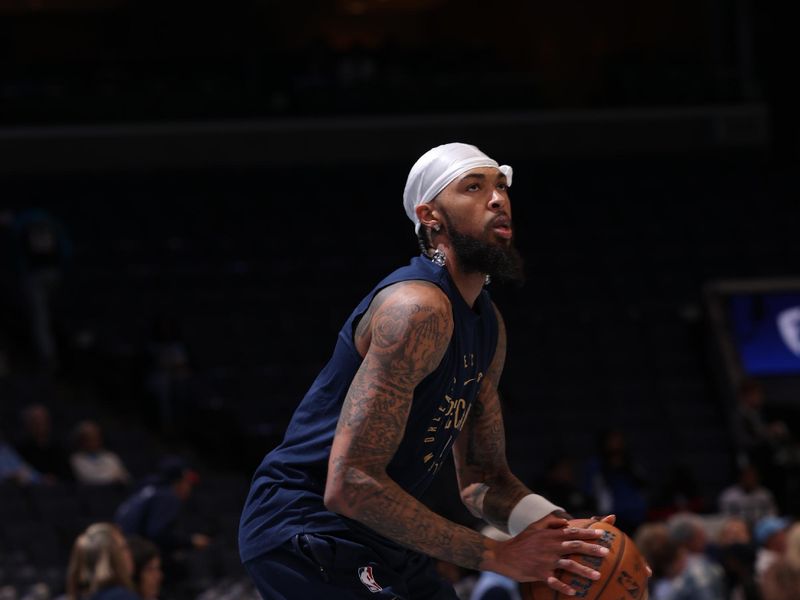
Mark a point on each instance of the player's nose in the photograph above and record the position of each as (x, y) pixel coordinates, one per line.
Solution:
(498, 201)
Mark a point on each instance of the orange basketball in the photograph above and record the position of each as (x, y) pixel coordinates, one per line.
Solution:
(623, 571)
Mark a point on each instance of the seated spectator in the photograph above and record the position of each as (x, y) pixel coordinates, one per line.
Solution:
(92, 464)
(38, 447)
(781, 580)
(560, 486)
(679, 492)
(735, 552)
(665, 557)
(168, 374)
(100, 566)
(147, 573)
(152, 512)
(766, 443)
(616, 482)
(747, 498)
(770, 537)
(701, 577)
(755, 434)
(14, 468)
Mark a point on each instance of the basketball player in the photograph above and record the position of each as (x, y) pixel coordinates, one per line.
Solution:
(334, 510)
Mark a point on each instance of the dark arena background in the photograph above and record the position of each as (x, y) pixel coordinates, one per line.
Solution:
(193, 197)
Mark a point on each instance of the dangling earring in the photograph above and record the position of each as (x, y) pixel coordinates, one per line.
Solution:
(487, 280)
(437, 228)
(439, 258)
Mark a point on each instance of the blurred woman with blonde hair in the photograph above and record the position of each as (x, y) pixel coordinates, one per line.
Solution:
(100, 566)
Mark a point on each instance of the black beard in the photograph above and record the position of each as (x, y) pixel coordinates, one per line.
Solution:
(502, 263)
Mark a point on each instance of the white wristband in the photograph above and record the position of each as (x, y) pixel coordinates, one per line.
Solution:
(529, 510)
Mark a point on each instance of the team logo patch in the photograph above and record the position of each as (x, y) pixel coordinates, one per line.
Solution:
(368, 579)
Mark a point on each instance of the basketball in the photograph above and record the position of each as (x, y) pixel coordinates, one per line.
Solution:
(623, 571)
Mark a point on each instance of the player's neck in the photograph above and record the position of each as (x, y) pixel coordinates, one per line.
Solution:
(469, 284)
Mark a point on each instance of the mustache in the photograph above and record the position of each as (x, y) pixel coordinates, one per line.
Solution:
(501, 220)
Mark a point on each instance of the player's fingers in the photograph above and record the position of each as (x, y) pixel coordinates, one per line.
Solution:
(579, 547)
(610, 519)
(579, 569)
(579, 533)
(560, 586)
(557, 524)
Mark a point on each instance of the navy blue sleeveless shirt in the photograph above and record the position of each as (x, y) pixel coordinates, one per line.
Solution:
(286, 495)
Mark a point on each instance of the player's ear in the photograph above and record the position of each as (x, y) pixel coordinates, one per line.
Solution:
(428, 216)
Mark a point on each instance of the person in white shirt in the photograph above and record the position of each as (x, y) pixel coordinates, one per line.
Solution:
(747, 498)
(91, 463)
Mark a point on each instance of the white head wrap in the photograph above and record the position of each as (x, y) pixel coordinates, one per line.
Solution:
(437, 168)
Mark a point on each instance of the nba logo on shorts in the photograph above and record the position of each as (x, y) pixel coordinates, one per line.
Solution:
(366, 577)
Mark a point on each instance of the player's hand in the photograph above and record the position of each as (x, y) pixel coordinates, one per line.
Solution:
(611, 519)
(536, 553)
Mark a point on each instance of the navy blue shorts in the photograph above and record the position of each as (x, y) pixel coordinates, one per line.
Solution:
(341, 566)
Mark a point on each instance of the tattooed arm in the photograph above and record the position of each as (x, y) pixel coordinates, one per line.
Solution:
(403, 337)
(488, 488)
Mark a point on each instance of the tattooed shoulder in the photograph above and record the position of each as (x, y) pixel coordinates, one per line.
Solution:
(400, 302)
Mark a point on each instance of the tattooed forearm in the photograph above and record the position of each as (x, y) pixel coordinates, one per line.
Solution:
(485, 462)
(501, 498)
(480, 453)
(385, 507)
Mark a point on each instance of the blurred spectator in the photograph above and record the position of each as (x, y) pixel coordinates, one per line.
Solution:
(100, 566)
(781, 580)
(701, 578)
(559, 484)
(167, 374)
(767, 443)
(38, 447)
(42, 251)
(785, 481)
(664, 556)
(153, 511)
(770, 537)
(147, 573)
(754, 434)
(678, 493)
(14, 468)
(615, 482)
(91, 463)
(735, 552)
(493, 586)
(747, 498)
